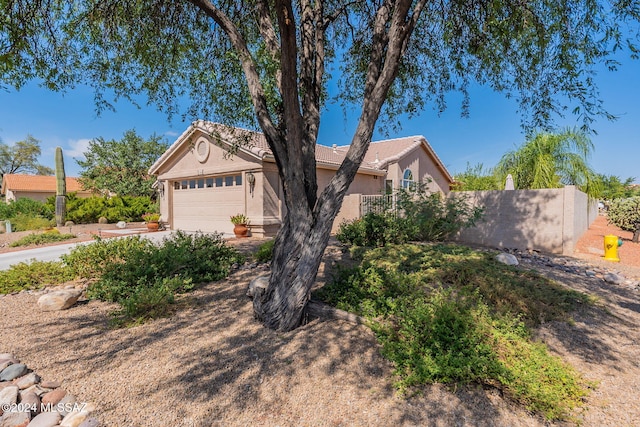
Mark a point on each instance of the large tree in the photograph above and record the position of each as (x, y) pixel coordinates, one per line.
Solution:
(265, 63)
(551, 160)
(22, 157)
(121, 167)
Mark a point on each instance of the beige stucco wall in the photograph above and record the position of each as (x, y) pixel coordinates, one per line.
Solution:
(423, 168)
(546, 220)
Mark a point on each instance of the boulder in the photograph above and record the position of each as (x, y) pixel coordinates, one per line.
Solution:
(15, 419)
(27, 381)
(507, 259)
(616, 279)
(59, 300)
(257, 286)
(8, 396)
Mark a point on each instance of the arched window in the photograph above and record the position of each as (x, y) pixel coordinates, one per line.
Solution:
(407, 179)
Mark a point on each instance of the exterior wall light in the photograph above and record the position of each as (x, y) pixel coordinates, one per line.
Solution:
(251, 179)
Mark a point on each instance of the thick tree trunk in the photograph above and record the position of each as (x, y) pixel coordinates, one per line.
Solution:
(636, 234)
(298, 251)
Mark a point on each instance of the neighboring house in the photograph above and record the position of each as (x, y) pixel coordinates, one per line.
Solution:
(36, 187)
(201, 184)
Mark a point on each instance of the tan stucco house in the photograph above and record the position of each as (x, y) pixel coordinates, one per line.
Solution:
(37, 187)
(201, 184)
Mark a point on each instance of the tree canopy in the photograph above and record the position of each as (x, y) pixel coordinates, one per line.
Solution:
(22, 157)
(551, 160)
(268, 64)
(121, 167)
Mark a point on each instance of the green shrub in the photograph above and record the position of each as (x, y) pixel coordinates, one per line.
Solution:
(446, 313)
(92, 260)
(419, 216)
(135, 272)
(42, 238)
(625, 213)
(27, 207)
(265, 251)
(89, 210)
(25, 222)
(33, 275)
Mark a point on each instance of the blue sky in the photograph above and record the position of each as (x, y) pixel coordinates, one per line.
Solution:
(69, 120)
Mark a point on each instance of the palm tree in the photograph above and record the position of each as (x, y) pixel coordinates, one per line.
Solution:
(551, 160)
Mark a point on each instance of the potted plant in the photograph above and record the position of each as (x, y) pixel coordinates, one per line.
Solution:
(152, 220)
(240, 222)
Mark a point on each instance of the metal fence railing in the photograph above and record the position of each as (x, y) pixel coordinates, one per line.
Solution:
(378, 203)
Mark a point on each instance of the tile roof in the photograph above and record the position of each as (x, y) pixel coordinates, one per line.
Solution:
(378, 157)
(36, 183)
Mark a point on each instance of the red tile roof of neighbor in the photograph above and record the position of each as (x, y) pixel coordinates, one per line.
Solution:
(37, 183)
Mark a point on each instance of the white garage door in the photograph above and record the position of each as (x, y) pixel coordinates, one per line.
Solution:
(206, 204)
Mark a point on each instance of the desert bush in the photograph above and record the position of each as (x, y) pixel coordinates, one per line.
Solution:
(89, 210)
(625, 213)
(26, 222)
(418, 216)
(42, 238)
(33, 275)
(265, 251)
(26, 207)
(135, 272)
(446, 313)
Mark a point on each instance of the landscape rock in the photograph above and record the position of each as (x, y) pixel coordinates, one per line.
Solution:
(614, 278)
(46, 419)
(66, 404)
(507, 259)
(75, 419)
(257, 286)
(59, 300)
(32, 400)
(121, 224)
(4, 363)
(27, 381)
(53, 397)
(8, 396)
(103, 220)
(50, 384)
(15, 419)
(13, 371)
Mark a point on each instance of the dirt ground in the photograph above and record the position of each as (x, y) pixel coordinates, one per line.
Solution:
(212, 364)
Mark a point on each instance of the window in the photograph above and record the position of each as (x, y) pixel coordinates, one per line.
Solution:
(184, 185)
(228, 181)
(209, 182)
(388, 186)
(407, 180)
(176, 185)
(192, 183)
(201, 183)
(219, 181)
(238, 179)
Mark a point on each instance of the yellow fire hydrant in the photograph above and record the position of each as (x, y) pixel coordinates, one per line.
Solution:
(611, 248)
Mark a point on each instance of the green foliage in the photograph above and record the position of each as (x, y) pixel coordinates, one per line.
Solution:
(476, 178)
(33, 275)
(446, 313)
(42, 238)
(24, 222)
(614, 188)
(22, 157)
(137, 274)
(27, 207)
(551, 160)
(121, 167)
(265, 251)
(89, 210)
(625, 213)
(420, 216)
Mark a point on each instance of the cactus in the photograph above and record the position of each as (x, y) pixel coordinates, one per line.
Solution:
(61, 189)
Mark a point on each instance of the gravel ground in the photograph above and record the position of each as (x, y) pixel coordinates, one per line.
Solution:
(212, 364)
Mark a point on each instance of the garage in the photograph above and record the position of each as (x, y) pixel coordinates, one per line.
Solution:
(204, 204)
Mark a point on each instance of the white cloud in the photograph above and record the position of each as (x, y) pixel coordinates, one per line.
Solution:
(171, 133)
(77, 148)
